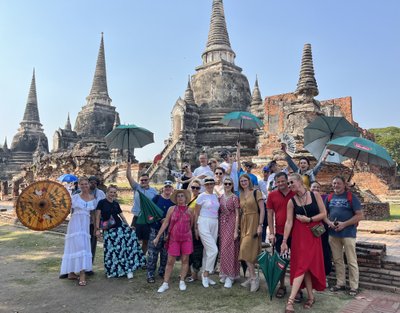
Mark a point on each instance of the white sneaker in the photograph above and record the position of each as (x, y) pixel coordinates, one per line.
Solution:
(228, 283)
(164, 287)
(129, 275)
(182, 285)
(204, 281)
(222, 279)
(246, 284)
(211, 282)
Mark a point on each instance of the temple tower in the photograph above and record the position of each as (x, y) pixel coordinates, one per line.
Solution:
(96, 119)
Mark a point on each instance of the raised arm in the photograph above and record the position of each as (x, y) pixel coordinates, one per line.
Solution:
(132, 182)
(288, 159)
(318, 166)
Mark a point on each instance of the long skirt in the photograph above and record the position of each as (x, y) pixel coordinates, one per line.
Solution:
(122, 251)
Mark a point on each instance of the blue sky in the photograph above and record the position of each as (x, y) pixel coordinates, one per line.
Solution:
(152, 48)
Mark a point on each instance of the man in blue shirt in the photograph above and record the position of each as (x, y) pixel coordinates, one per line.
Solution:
(345, 212)
(142, 231)
(164, 202)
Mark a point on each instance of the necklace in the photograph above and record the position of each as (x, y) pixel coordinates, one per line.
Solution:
(302, 198)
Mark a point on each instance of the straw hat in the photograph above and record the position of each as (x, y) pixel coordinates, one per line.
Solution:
(184, 191)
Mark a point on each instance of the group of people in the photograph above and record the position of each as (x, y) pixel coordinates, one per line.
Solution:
(219, 215)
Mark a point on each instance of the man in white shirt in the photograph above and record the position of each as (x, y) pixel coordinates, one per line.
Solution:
(231, 168)
(203, 170)
(263, 183)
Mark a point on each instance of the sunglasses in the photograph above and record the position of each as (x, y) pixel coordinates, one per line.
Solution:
(195, 188)
(290, 182)
(218, 173)
(184, 168)
(228, 184)
(143, 180)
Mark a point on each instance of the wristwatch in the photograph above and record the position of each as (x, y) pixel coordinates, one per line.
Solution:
(262, 225)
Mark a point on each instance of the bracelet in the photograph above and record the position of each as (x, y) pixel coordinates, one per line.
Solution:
(310, 219)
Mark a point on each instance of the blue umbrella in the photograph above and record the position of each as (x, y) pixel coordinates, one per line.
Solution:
(67, 178)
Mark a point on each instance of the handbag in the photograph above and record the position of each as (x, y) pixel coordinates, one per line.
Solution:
(110, 223)
(317, 229)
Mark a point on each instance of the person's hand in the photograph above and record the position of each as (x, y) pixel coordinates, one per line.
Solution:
(302, 218)
(235, 235)
(283, 147)
(339, 226)
(272, 239)
(196, 234)
(155, 241)
(331, 224)
(98, 233)
(284, 248)
(259, 230)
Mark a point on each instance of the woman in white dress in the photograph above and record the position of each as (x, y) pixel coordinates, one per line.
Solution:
(77, 256)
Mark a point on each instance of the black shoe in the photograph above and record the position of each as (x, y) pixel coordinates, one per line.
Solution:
(151, 280)
(89, 273)
(144, 267)
(63, 276)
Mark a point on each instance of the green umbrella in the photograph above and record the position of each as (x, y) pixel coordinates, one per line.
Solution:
(149, 211)
(324, 129)
(125, 137)
(241, 120)
(272, 267)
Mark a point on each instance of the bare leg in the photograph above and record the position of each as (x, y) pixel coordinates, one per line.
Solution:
(282, 280)
(252, 271)
(308, 283)
(205, 273)
(82, 278)
(185, 265)
(296, 286)
(169, 268)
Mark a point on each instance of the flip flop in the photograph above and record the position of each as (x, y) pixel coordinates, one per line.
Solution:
(82, 283)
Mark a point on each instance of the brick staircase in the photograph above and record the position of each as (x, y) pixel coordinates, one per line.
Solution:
(392, 196)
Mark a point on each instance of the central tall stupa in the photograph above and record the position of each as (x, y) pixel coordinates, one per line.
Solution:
(218, 87)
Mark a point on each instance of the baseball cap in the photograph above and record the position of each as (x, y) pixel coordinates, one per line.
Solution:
(266, 169)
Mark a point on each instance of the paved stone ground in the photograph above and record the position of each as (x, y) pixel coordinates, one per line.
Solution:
(371, 301)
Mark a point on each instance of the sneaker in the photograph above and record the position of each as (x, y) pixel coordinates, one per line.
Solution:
(204, 281)
(222, 279)
(129, 275)
(228, 283)
(246, 284)
(182, 285)
(151, 280)
(211, 282)
(164, 287)
(254, 285)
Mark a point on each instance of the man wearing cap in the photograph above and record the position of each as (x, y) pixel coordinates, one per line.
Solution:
(164, 202)
(248, 167)
(98, 195)
(142, 231)
(203, 170)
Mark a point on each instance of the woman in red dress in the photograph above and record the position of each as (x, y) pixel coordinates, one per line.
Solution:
(304, 211)
(229, 234)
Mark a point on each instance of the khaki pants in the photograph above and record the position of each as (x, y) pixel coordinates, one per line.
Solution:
(349, 245)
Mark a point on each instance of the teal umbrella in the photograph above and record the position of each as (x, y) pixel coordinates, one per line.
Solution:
(241, 120)
(272, 267)
(361, 149)
(324, 129)
(125, 137)
(149, 211)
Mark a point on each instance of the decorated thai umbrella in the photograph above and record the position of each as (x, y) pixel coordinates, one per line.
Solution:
(324, 129)
(43, 205)
(361, 149)
(272, 267)
(67, 178)
(242, 120)
(149, 211)
(126, 137)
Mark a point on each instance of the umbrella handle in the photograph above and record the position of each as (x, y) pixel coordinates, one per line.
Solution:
(240, 127)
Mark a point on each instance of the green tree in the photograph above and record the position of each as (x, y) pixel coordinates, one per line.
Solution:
(389, 138)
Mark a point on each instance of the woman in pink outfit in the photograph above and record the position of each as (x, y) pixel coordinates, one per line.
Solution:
(229, 234)
(180, 221)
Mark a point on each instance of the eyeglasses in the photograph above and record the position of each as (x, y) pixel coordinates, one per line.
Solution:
(228, 184)
(219, 173)
(195, 188)
(290, 182)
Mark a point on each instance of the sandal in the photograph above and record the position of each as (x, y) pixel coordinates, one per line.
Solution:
(309, 303)
(353, 292)
(73, 277)
(82, 283)
(337, 288)
(281, 292)
(190, 279)
(290, 303)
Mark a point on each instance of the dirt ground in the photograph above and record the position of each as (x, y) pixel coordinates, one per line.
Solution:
(30, 263)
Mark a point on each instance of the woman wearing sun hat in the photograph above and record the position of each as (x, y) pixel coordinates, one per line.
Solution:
(206, 227)
(179, 243)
